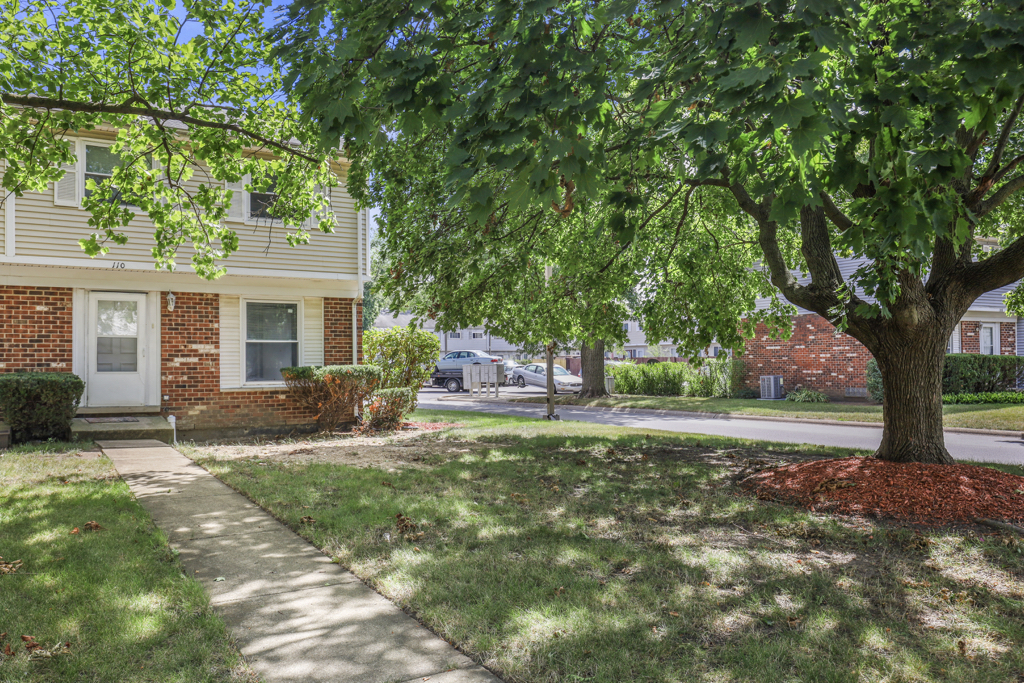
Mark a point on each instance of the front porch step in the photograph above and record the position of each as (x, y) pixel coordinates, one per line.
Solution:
(147, 427)
(114, 411)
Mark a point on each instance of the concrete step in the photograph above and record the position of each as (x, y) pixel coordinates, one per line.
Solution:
(144, 427)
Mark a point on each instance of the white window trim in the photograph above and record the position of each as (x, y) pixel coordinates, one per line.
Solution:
(478, 333)
(80, 152)
(243, 322)
(455, 335)
(996, 350)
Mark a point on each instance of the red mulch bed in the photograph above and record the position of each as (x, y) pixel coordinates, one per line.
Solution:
(430, 426)
(924, 494)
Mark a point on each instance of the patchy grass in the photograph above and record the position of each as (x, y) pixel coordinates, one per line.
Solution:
(116, 595)
(578, 552)
(982, 416)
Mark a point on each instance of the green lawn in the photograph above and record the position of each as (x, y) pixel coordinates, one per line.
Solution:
(985, 416)
(570, 552)
(117, 595)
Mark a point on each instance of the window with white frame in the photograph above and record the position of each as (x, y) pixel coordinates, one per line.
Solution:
(989, 340)
(271, 339)
(953, 344)
(455, 335)
(625, 327)
(261, 203)
(99, 168)
(478, 335)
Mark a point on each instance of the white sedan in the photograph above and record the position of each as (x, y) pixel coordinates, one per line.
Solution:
(535, 375)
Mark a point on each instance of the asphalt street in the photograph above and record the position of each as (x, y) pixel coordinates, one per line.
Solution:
(978, 447)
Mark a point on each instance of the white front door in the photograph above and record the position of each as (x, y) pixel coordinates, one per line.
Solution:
(116, 349)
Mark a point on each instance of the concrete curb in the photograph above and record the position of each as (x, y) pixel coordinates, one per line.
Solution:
(733, 416)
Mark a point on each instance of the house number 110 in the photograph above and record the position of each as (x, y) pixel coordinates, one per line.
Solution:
(118, 265)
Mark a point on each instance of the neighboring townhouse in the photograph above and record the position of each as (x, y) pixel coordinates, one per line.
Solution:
(469, 339)
(154, 342)
(818, 357)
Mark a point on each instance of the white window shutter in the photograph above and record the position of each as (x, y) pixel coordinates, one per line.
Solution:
(954, 340)
(65, 190)
(313, 331)
(238, 209)
(230, 342)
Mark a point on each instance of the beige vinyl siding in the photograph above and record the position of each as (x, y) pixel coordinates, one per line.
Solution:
(230, 342)
(46, 230)
(313, 331)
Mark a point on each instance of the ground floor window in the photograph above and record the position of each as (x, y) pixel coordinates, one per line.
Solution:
(989, 340)
(271, 339)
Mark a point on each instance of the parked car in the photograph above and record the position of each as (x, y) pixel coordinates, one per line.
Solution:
(535, 375)
(510, 366)
(456, 359)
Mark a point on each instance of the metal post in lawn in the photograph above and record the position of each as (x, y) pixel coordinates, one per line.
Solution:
(550, 363)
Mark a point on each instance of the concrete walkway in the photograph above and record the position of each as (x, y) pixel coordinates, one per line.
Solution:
(294, 614)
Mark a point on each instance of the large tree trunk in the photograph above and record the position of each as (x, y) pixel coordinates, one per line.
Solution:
(592, 363)
(911, 366)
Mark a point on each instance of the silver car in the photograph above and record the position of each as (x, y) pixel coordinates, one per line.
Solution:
(456, 359)
(535, 375)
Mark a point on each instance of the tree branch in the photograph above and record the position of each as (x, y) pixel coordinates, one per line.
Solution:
(1004, 136)
(130, 110)
(838, 218)
(1001, 195)
(1002, 268)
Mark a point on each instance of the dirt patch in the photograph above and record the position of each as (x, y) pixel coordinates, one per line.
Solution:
(924, 494)
(386, 451)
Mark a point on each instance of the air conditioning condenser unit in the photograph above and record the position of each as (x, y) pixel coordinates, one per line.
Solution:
(771, 387)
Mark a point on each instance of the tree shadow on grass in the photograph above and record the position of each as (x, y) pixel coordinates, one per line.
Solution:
(564, 557)
(115, 594)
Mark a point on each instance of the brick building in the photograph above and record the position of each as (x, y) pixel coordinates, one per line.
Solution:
(170, 343)
(819, 357)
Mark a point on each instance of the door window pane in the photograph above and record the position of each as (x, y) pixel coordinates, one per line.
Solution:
(988, 346)
(117, 329)
(271, 340)
(117, 318)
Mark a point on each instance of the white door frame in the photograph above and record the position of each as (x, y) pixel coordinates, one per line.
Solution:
(149, 338)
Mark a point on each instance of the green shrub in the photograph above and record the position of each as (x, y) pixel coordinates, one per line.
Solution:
(332, 392)
(716, 377)
(405, 355)
(387, 408)
(874, 381)
(984, 397)
(973, 373)
(737, 375)
(39, 405)
(805, 395)
(747, 393)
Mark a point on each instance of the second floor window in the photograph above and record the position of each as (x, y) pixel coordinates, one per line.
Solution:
(478, 335)
(261, 203)
(455, 335)
(99, 168)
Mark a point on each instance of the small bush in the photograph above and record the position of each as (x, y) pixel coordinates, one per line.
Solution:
(874, 381)
(332, 392)
(387, 408)
(804, 395)
(747, 393)
(39, 405)
(737, 373)
(405, 355)
(984, 397)
(973, 373)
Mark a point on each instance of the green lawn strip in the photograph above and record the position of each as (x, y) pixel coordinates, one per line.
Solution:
(117, 595)
(983, 416)
(559, 552)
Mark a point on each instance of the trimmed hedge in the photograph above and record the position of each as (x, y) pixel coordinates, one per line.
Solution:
(405, 355)
(964, 374)
(39, 405)
(387, 408)
(332, 392)
(973, 373)
(984, 397)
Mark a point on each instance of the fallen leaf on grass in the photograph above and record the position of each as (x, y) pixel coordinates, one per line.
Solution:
(307, 520)
(39, 652)
(388, 484)
(93, 526)
(673, 614)
(75, 530)
(30, 643)
(9, 568)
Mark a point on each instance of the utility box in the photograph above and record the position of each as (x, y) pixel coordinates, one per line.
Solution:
(609, 384)
(479, 378)
(771, 387)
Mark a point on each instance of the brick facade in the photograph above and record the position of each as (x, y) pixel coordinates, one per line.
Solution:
(36, 335)
(35, 329)
(815, 357)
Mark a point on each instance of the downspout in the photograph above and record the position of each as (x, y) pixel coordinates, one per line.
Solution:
(363, 267)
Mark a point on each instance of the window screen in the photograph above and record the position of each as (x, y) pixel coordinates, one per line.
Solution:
(271, 340)
(99, 167)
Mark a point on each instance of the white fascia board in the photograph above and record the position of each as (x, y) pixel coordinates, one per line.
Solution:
(236, 282)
